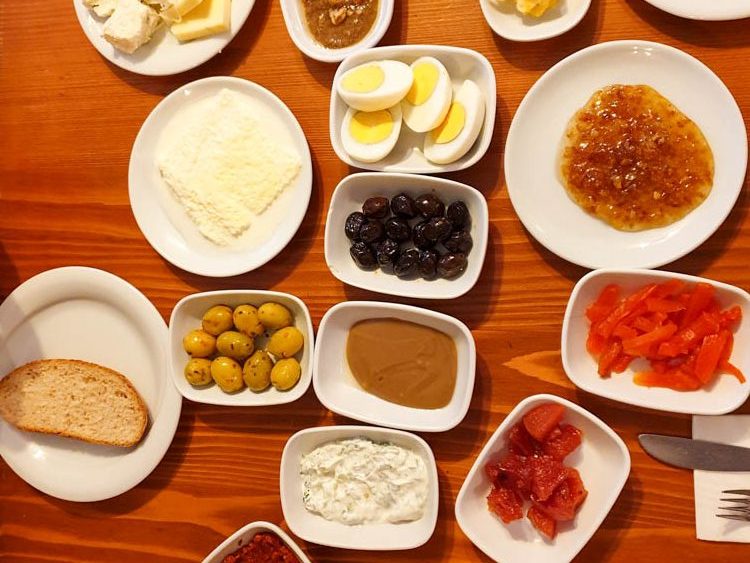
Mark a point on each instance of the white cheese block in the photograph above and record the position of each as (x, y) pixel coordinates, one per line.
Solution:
(131, 25)
(208, 18)
(102, 8)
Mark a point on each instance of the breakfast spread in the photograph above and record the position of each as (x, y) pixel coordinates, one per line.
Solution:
(403, 362)
(534, 8)
(680, 329)
(533, 469)
(339, 23)
(265, 547)
(633, 160)
(357, 481)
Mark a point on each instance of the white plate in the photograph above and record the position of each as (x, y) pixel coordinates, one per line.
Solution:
(337, 389)
(376, 537)
(511, 24)
(603, 461)
(537, 130)
(708, 10)
(164, 54)
(92, 315)
(349, 196)
(294, 18)
(245, 535)
(724, 395)
(161, 217)
(461, 64)
(187, 315)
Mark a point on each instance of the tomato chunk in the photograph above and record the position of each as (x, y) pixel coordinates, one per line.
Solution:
(506, 503)
(540, 421)
(542, 522)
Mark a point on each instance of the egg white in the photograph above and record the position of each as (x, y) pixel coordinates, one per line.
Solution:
(397, 81)
(430, 114)
(370, 152)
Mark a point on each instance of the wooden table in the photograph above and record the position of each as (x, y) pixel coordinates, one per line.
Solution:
(67, 122)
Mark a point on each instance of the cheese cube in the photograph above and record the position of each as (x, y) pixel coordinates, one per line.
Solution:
(131, 25)
(210, 17)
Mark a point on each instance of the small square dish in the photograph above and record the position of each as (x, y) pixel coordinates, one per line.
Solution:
(245, 535)
(723, 395)
(339, 391)
(376, 536)
(187, 315)
(603, 462)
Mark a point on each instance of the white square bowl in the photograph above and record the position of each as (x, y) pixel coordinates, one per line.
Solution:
(245, 535)
(724, 395)
(349, 196)
(337, 389)
(187, 315)
(603, 461)
(406, 156)
(375, 537)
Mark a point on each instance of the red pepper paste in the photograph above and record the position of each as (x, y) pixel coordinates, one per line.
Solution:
(264, 548)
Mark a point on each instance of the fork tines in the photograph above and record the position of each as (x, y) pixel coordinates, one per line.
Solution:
(741, 506)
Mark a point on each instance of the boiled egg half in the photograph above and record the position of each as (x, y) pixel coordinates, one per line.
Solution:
(375, 86)
(370, 136)
(426, 104)
(453, 138)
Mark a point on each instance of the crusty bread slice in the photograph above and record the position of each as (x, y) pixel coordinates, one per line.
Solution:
(75, 399)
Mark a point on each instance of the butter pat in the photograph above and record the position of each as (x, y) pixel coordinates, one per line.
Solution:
(208, 18)
(131, 25)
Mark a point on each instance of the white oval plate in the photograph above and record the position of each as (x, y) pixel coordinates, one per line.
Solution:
(245, 535)
(164, 54)
(375, 537)
(294, 18)
(161, 217)
(537, 130)
(349, 196)
(724, 395)
(337, 389)
(92, 315)
(511, 24)
(707, 10)
(407, 156)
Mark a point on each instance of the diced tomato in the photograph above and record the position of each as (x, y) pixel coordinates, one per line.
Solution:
(515, 472)
(506, 503)
(623, 309)
(604, 304)
(540, 421)
(546, 475)
(520, 441)
(564, 502)
(564, 443)
(545, 524)
(641, 345)
(700, 298)
(709, 355)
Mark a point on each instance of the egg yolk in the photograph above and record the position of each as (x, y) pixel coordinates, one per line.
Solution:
(451, 126)
(366, 78)
(370, 127)
(426, 77)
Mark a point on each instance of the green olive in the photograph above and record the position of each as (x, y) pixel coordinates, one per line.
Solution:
(235, 345)
(285, 374)
(246, 320)
(217, 319)
(227, 374)
(198, 371)
(286, 342)
(257, 371)
(199, 344)
(275, 316)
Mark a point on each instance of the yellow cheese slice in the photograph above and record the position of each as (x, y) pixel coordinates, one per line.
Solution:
(208, 18)
(175, 9)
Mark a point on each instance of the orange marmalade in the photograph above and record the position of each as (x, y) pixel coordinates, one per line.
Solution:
(634, 160)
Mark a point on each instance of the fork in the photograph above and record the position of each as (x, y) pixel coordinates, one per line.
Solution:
(741, 508)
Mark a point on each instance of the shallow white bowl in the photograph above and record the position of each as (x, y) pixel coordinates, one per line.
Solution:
(537, 130)
(164, 54)
(337, 389)
(407, 156)
(163, 220)
(349, 196)
(724, 395)
(707, 10)
(603, 462)
(375, 537)
(187, 315)
(509, 23)
(245, 535)
(294, 18)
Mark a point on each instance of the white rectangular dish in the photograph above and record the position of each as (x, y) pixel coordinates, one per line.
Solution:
(245, 535)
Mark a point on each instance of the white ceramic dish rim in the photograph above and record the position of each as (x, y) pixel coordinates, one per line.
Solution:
(247, 533)
(572, 22)
(704, 10)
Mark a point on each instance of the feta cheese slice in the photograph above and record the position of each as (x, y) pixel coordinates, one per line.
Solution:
(131, 25)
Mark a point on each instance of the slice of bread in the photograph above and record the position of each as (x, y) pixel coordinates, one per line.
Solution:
(75, 399)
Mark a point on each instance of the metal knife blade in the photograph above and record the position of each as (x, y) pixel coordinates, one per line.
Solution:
(696, 454)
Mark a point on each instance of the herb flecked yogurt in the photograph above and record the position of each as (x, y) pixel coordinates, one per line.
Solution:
(358, 481)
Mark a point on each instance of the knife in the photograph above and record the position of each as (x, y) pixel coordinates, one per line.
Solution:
(696, 454)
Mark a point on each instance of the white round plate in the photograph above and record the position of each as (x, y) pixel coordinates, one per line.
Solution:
(163, 54)
(164, 222)
(537, 130)
(509, 23)
(92, 315)
(707, 10)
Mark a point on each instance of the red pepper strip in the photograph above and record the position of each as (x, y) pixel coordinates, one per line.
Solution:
(731, 317)
(622, 363)
(674, 378)
(604, 304)
(700, 298)
(709, 355)
(595, 344)
(724, 365)
(641, 345)
(687, 338)
(624, 332)
(644, 324)
(610, 355)
(664, 305)
(625, 307)
(669, 288)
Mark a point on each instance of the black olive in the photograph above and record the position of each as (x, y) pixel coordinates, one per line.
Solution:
(458, 214)
(459, 241)
(406, 265)
(418, 236)
(363, 256)
(429, 206)
(376, 207)
(403, 206)
(397, 229)
(353, 224)
(437, 229)
(372, 231)
(386, 252)
(428, 260)
(451, 265)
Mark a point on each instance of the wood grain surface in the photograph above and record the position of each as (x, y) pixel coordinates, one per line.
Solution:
(68, 119)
